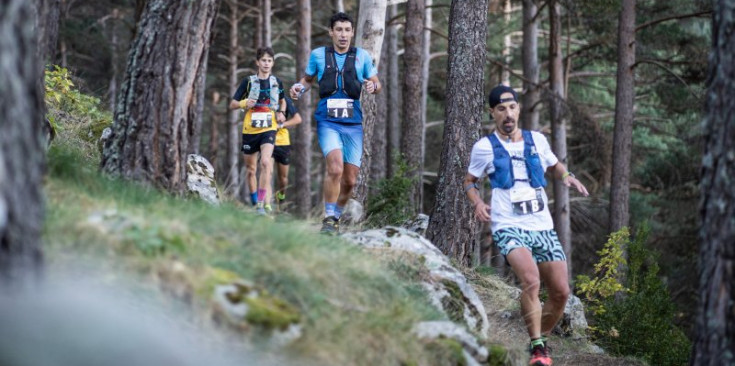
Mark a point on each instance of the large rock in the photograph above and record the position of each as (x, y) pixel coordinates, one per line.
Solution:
(200, 179)
(448, 289)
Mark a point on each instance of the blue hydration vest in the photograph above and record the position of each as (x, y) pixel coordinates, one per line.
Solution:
(503, 177)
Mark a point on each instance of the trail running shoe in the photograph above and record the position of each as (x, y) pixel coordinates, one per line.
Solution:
(330, 225)
(261, 211)
(540, 356)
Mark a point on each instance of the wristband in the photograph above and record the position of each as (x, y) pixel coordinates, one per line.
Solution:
(243, 103)
(567, 174)
(470, 186)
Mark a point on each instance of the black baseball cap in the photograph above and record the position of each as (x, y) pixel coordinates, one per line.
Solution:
(494, 98)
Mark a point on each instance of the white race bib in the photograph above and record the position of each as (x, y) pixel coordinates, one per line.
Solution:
(261, 119)
(526, 200)
(340, 108)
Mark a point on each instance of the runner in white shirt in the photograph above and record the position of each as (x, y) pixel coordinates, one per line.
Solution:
(515, 160)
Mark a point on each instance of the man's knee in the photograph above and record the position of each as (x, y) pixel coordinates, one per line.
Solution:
(560, 295)
(334, 169)
(250, 170)
(348, 181)
(265, 164)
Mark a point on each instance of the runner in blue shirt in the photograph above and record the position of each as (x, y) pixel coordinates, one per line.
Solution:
(341, 72)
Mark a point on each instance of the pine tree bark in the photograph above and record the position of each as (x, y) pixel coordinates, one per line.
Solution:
(623, 131)
(529, 54)
(412, 126)
(302, 135)
(379, 161)
(160, 104)
(233, 115)
(715, 325)
(559, 131)
(369, 36)
(22, 157)
(265, 12)
(48, 28)
(452, 227)
(393, 94)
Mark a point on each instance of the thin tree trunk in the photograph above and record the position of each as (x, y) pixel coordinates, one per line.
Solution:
(233, 115)
(265, 12)
(161, 99)
(379, 162)
(623, 135)
(259, 36)
(452, 227)
(412, 127)
(112, 89)
(369, 36)
(426, 57)
(302, 153)
(507, 44)
(393, 94)
(559, 131)
(22, 157)
(715, 327)
(529, 53)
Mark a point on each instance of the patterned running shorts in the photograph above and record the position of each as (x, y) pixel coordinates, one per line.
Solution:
(544, 244)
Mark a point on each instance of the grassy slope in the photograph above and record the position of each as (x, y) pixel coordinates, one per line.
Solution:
(355, 307)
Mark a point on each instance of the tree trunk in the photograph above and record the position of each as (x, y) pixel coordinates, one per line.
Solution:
(412, 126)
(265, 12)
(114, 47)
(559, 131)
(623, 135)
(393, 95)
(452, 227)
(159, 110)
(48, 28)
(22, 157)
(369, 36)
(715, 328)
(529, 53)
(507, 44)
(302, 142)
(232, 182)
(379, 163)
(259, 36)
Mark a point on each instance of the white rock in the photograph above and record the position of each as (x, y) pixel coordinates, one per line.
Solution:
(440, 269)
(200, 178)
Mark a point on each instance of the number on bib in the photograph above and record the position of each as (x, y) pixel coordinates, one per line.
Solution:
(340, 108)
(261, 120)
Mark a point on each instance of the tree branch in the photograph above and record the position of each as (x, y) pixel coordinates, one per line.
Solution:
(680, 16)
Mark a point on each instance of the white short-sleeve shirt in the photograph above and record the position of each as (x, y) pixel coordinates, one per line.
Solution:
(501, 214)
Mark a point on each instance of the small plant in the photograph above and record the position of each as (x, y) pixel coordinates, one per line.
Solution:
(68, 106)
(390, 205)
(606, 282)
(639, 323)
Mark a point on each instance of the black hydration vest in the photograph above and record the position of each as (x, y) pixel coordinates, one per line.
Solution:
(329, 82)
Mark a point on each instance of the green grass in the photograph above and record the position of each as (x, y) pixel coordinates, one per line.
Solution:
(357, 307)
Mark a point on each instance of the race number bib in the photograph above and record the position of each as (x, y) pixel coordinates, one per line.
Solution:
(261, 120)
(526, 200)
(340, 108)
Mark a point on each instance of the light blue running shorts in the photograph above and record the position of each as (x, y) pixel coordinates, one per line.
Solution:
(346, 137)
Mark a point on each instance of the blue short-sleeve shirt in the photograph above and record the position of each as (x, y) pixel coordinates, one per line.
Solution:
(363, 67)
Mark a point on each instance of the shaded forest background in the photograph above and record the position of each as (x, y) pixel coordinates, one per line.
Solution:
(672, 46)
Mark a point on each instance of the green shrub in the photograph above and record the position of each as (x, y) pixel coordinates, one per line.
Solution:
(639, 321)
(75, 116)
(390, 205)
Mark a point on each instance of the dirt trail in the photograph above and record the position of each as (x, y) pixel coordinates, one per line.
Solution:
(507, 329)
